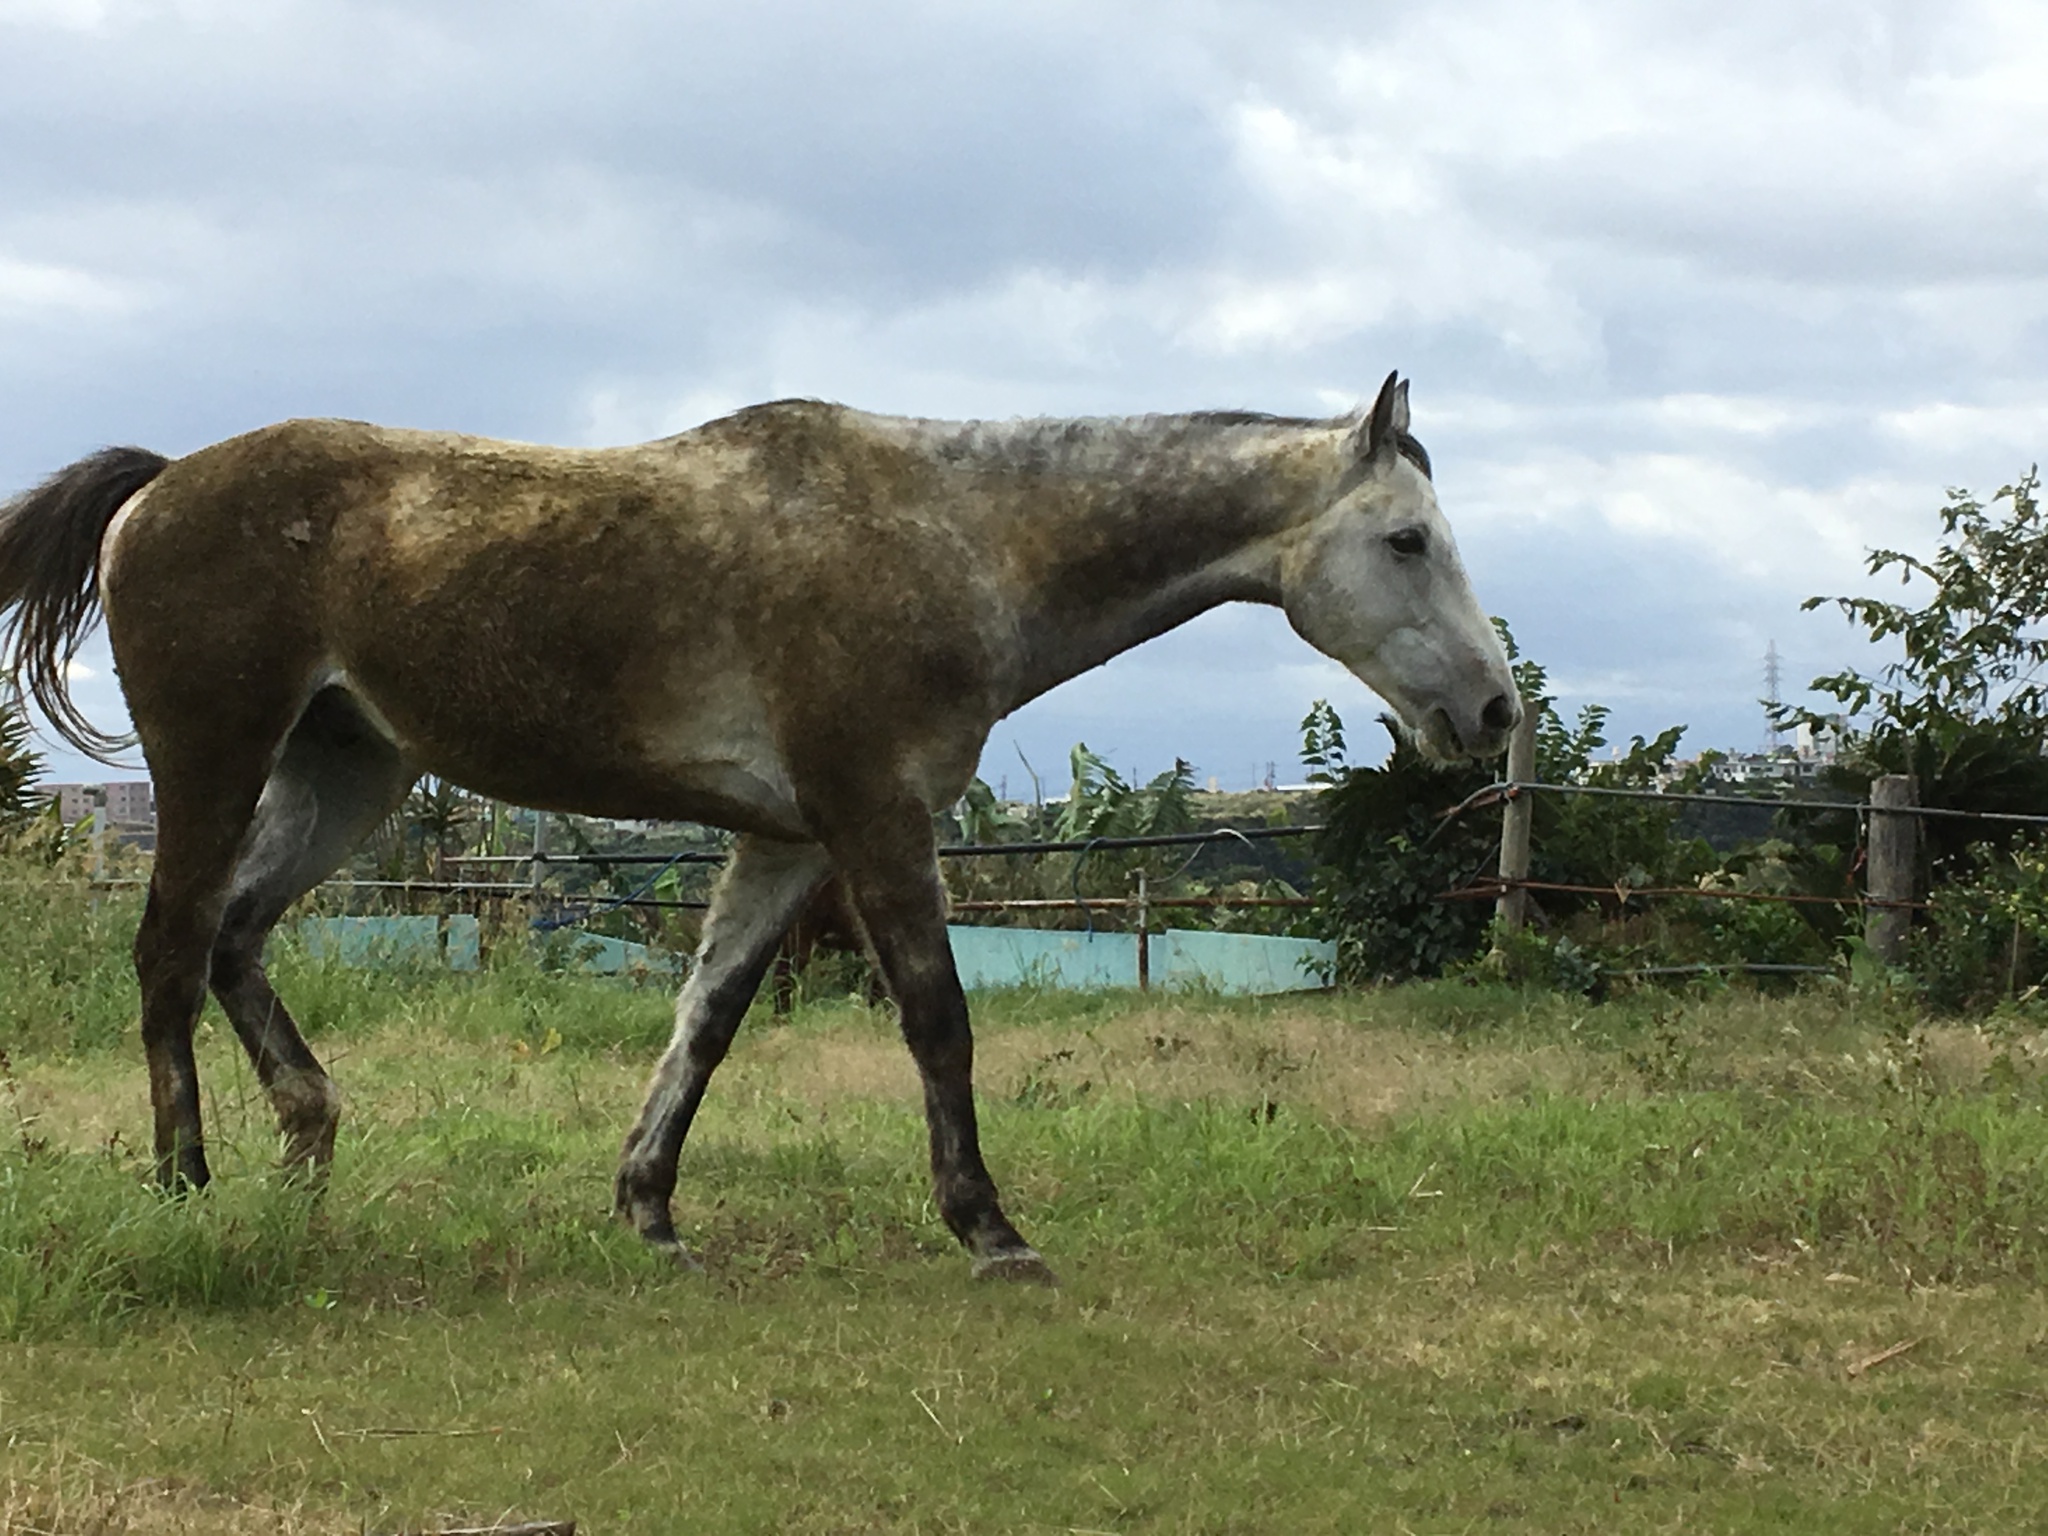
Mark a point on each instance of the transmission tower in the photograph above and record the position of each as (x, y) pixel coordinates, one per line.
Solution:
(1771, 699)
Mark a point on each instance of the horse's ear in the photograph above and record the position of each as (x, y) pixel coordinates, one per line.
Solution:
(1387, 423)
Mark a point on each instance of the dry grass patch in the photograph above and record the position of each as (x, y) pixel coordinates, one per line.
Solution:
(1340, 1066)
(71, 1501)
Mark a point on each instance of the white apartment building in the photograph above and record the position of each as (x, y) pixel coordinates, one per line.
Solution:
(129, 803)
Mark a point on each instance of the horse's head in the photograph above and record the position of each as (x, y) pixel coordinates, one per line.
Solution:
(1374, 580)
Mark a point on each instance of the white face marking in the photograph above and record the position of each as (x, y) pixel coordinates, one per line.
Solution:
(1375, 582)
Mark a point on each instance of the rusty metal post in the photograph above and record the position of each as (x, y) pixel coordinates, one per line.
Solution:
(1892, 862)
(1511, 911)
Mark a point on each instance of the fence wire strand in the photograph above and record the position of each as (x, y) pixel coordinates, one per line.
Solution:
(1509, 789)
(1478, 887)
(1486, 887)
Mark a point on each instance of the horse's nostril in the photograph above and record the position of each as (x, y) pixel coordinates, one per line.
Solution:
(1499, 714)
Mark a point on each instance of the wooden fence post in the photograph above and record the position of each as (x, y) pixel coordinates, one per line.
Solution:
(1512, 909)
(1144, 937)
(1892, 862)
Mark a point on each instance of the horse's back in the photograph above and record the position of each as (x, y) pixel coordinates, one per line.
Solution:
(623, 629)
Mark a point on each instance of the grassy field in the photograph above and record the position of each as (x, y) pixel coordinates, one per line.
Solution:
(1443, 1259)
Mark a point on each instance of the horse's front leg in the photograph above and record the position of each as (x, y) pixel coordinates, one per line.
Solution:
(890, 868)
(764, 887)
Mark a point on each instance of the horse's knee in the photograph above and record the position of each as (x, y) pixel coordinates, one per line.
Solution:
(173, 985)
(228, 966)
(237, 946)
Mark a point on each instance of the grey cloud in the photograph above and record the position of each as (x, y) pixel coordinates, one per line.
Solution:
(1849, 215)
(919, 143)
(553, 222)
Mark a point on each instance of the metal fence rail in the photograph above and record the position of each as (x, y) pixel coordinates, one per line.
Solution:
(946, 850)
(1887, 896)
(569, 911)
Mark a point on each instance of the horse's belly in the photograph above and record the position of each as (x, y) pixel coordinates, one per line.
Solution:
(541, 741)
(720, 749)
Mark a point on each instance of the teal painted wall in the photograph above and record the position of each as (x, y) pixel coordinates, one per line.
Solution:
(1180, 959)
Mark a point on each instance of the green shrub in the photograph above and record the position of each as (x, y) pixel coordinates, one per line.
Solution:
(1390, 857)
(20, 767)
(1964, 710)
(1986, 937)
(66, 983)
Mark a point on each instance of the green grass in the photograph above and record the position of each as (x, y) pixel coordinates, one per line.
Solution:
(1442, 1259)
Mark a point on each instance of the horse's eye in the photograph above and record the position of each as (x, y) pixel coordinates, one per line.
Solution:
(1409, 541)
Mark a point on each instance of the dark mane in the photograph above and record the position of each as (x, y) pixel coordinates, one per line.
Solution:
(1409, 447)
(1251, 419)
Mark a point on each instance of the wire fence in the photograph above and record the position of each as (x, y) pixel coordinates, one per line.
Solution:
(1485, 887)
(1142, 905)
(552, 907)
(1885, 900)
(1884, 913)
(1507, 791)
(568, 911)
(1510, 789)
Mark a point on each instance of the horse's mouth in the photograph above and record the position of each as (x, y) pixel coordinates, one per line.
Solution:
(1439, 739)
(1442, 742)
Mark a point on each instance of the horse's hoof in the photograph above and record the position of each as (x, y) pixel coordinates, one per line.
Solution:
(1019, 1265)
(308, 1109)
(661, 1239)
(684, 1261)
(183, 1173)
(650, 1218)
(309, 1174)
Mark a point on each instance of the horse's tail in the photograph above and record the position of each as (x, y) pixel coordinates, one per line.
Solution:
(49, 564)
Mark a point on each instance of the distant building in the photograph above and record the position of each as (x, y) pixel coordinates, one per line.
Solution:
(131, 803)
(127, 807)
(1777, 767)
(1812, 750)
(1819, 744)
(75, 802)
(1783, 766)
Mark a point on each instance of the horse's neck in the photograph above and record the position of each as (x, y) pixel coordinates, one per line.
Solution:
(1116, 532)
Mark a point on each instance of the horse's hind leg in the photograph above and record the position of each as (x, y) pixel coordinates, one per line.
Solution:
(204, 801)
(336, 779)
(765, 886)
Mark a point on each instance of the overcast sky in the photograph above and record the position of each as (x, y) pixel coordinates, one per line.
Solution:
(1699, 300)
